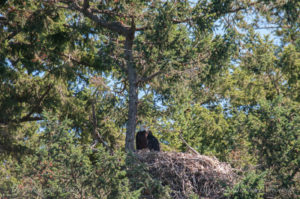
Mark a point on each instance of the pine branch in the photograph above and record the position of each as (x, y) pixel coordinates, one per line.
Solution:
(97, 137)
(235, 10)
(3, 20)
(40, 100)
(115, 26)
(29, 117)
(150, 77)
(111, 13)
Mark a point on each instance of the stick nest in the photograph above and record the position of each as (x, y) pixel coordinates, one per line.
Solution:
(188, 174)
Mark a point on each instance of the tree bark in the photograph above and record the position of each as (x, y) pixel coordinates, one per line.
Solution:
(128, 32)
(133, 93)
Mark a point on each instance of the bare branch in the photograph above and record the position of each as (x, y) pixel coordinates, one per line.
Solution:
(175, 21)
(268, 27)
(150, 77)
(115, 26)
(3, 20)
(110, 13)
(178, 21)
(143, 28)
(185, 142)
(97, 137)
(40, 100)
(24, 119)
(234, 10)
(123, 89)
(121, 63)
(28, 117)
(76, 60)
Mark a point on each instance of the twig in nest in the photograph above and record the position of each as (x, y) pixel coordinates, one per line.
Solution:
(191, 148)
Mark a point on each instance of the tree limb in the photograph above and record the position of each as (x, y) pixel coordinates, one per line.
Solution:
(97, 137)
(3, 20)
(110, 13)
(24, 119)
(234, 10)
(28, 117)
(150, 77)
(175, 21)
(143, 28)
(115, 26)
(86, 4)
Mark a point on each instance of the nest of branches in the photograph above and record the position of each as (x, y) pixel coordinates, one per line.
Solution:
(188, 174)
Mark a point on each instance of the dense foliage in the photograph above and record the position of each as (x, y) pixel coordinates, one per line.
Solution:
(77, 78)
(60, 167)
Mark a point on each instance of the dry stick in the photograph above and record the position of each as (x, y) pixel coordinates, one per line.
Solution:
(191, 148)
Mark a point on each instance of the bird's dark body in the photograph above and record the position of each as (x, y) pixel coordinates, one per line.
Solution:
(141, 140)
(145, 139)
(153, 143)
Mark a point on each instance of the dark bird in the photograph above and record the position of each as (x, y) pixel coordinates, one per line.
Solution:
(153, 143)
(141, 140)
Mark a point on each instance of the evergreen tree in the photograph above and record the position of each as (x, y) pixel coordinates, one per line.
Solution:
(192, 71)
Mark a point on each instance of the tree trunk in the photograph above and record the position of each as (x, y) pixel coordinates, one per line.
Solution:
(133, 94)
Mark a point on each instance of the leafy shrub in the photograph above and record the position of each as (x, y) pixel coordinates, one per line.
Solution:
(274, 133)
(61, 168)
(250, 187)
